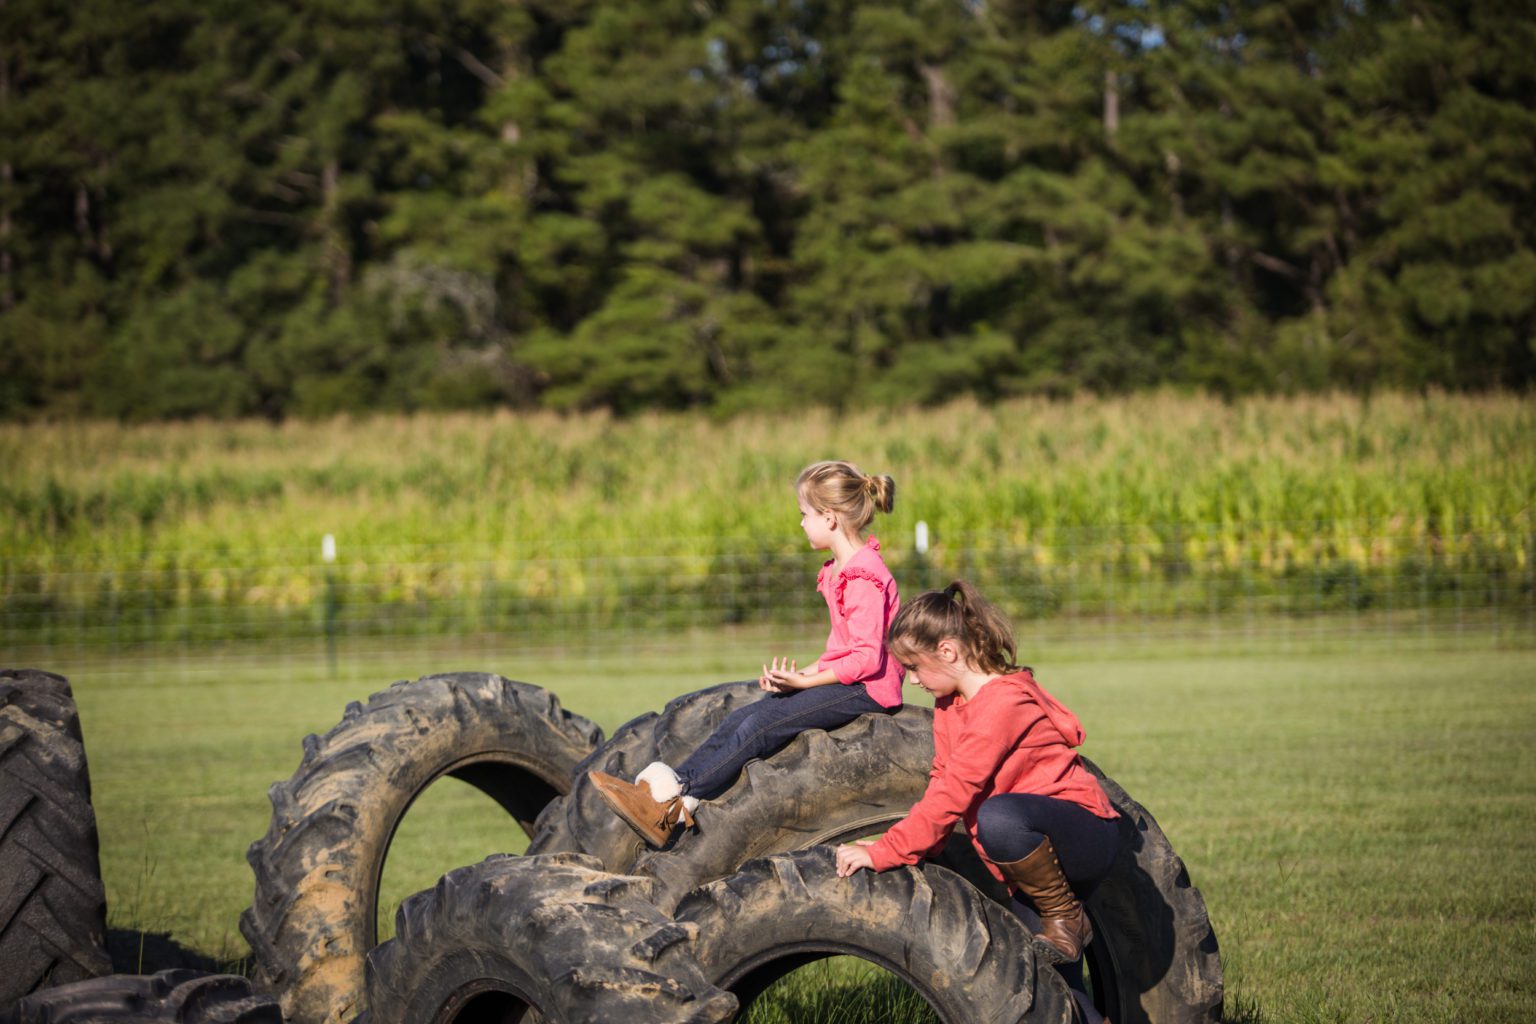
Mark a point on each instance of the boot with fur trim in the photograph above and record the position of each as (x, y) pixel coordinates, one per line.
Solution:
(655, 820)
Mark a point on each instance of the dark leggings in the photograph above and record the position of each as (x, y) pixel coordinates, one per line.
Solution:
(1011, 826)
(766, 726)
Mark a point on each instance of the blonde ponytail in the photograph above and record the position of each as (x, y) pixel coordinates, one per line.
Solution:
(840, 487)
(882, 491)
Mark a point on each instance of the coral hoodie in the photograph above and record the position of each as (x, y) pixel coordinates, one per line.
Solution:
(1012, 737)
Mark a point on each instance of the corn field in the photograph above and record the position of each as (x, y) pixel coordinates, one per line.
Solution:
(1150, 507)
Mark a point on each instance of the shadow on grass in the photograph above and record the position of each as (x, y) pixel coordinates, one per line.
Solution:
(139, 952)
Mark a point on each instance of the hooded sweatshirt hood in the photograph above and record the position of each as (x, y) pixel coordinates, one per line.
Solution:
(1064, 721)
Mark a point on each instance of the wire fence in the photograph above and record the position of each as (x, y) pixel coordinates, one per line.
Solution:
(1096, 584)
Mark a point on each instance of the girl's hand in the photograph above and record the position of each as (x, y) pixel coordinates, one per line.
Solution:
(780, 677)
(853, 856)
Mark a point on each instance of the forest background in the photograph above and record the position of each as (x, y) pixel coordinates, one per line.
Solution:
(213, 208)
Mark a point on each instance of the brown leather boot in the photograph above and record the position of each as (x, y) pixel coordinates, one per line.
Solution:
(653, 819)
(1063, 922)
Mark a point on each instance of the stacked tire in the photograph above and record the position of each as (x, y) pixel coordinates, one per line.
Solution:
(53, 908)
(177, 996)
(555, 934)
(968, 957)
(1154, 959)
(54, 967)
(320, 865)
(590, 925)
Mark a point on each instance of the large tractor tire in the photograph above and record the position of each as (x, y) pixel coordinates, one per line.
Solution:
(823, 788)
(318, 868)
(555, 935)
(582, 823)
(170, 997)
(969, 958)
(1154, 957)
(53, 907)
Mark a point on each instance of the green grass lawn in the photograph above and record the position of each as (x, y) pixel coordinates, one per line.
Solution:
(1360, 819)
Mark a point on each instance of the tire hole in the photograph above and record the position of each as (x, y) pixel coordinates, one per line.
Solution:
(833, 988)
(449, 825)
(490, 1008)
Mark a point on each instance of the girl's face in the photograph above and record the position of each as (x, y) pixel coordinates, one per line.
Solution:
(938, 671)
(820, 527)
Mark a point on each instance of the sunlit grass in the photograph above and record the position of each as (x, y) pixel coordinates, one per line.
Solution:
(1350, 814)
(840, 990)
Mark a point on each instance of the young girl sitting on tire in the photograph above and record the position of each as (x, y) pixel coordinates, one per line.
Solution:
(854, 675)
(1003, 763)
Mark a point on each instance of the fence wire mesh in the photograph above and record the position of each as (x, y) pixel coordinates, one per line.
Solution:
(1274, 580)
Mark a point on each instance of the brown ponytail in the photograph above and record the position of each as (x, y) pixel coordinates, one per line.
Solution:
(957, 612)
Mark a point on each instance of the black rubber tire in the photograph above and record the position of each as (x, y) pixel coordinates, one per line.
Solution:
(553, 934)
(1154, 957)
(866, 776)
(170, 997)
(318, 868)
(582, 823)
(53, 908)
(969, 957)
(823, 788)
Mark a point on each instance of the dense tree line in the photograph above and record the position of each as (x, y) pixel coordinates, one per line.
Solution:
(308, 206)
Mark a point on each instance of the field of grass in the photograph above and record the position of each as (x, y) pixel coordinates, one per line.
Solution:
(1359, 818)
(1154, 504)
(1302, 631)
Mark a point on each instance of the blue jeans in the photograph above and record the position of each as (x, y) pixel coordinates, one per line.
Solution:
(766, 726)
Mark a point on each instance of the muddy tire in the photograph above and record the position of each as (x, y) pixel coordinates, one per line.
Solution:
(52, 903)
(553, 934)
(967, 956)
(582, 823)
(824, 787)
(318, 868)
(1154, 957)
(169, 997)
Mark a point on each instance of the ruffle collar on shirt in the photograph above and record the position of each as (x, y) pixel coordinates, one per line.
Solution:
(854, 570)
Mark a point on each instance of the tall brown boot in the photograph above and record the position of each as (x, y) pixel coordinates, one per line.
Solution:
(1063, 923)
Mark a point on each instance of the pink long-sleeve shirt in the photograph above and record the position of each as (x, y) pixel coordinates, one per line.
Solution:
(862, 600)
(1012, 737)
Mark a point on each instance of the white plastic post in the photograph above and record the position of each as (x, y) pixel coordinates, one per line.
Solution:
(921, 540)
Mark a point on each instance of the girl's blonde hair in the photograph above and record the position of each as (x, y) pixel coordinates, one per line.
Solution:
(957, 612)
(840, 487)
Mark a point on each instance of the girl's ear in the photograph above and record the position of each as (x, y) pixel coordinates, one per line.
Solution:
(948, 649)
